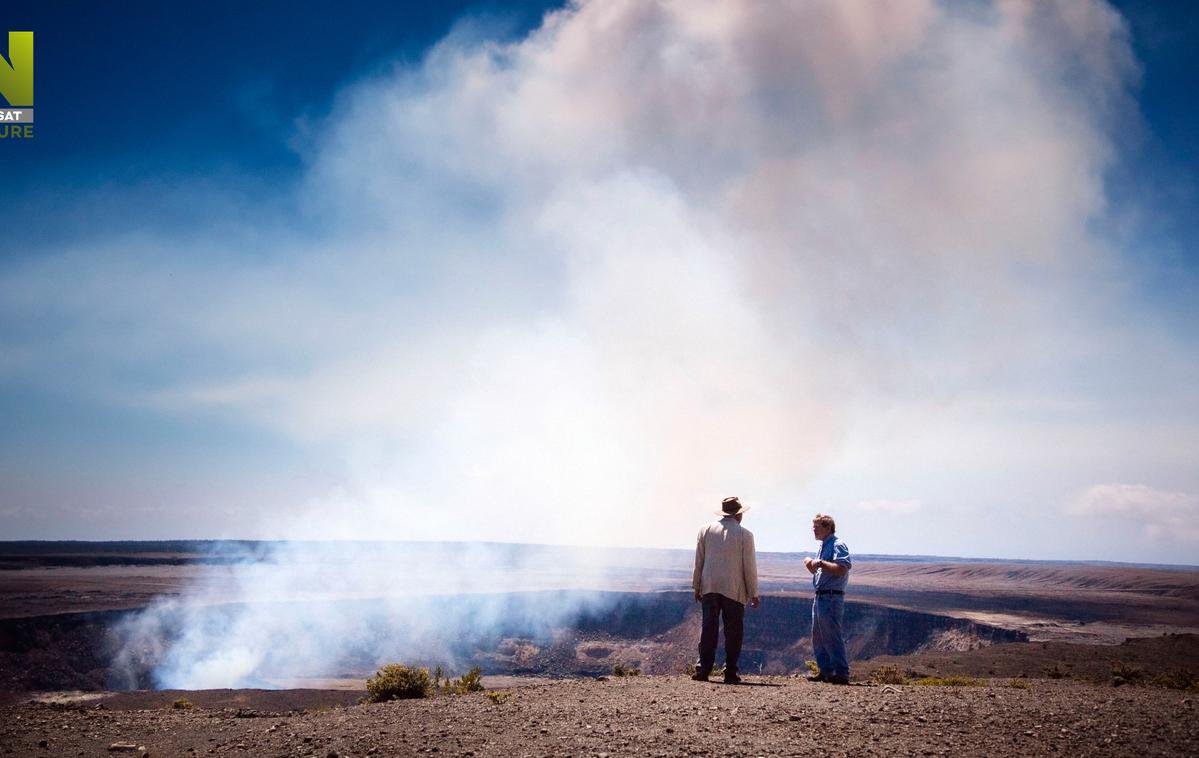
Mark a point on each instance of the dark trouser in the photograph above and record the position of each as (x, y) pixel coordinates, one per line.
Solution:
(716, 607)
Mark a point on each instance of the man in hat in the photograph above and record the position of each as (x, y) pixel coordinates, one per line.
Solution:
(830, 575)
(725, 579)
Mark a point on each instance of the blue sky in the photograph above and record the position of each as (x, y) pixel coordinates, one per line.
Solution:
(385, 270)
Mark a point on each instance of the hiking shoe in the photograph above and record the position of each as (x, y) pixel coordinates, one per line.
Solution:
(817, 678)
(699, 677)
(838, 679)
(732, 679)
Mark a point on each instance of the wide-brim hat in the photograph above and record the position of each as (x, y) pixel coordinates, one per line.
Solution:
(731, 506)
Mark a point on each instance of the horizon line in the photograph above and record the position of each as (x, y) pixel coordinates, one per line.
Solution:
(894, 557)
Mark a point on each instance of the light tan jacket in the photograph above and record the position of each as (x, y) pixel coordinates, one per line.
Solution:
(725, 561)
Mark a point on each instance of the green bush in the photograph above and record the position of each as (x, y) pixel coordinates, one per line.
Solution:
(396, 681)
(498, 696)
(181, 704)
(812, 667)
(468, 682)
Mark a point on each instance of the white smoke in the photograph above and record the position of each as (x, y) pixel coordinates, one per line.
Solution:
(264, 617)
(652, 253)
(649, 255)
(903, 507)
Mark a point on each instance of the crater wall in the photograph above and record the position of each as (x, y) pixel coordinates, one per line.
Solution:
(655, 632)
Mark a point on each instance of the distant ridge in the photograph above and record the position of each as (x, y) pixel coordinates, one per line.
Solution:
(220, 551)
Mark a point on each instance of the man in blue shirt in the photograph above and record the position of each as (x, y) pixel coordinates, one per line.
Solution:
(830, 575)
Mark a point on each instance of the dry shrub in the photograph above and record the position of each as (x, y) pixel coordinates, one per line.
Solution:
(1123, 673)
(396, 681)
(948, 681)
(181, 704)
(1178, 679)
(498, 696)
(620, 669)
(888, 675)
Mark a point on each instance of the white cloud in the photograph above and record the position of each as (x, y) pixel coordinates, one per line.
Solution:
(1140, 509)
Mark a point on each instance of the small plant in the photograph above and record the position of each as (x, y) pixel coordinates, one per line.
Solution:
(1178, 679)
(619, 669)
(812, 667)
(396, 681)
(1122, 673)
(182, 704)
(947, 681)
(468, 682)
(498, 696)
(1054, 672)
(1020, 684)
(888, 675)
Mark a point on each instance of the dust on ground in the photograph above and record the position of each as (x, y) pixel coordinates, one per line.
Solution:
(640, 716)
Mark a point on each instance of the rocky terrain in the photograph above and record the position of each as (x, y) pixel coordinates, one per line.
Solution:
(999, 640)
(633, 716)
(1170, 658)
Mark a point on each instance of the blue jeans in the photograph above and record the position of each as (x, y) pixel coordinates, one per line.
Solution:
(828, 644)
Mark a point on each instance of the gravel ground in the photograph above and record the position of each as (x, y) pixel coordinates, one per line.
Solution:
(646, 716)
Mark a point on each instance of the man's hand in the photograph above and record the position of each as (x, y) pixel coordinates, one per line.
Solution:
(755, 602)
(811, 564)
(699, 596)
